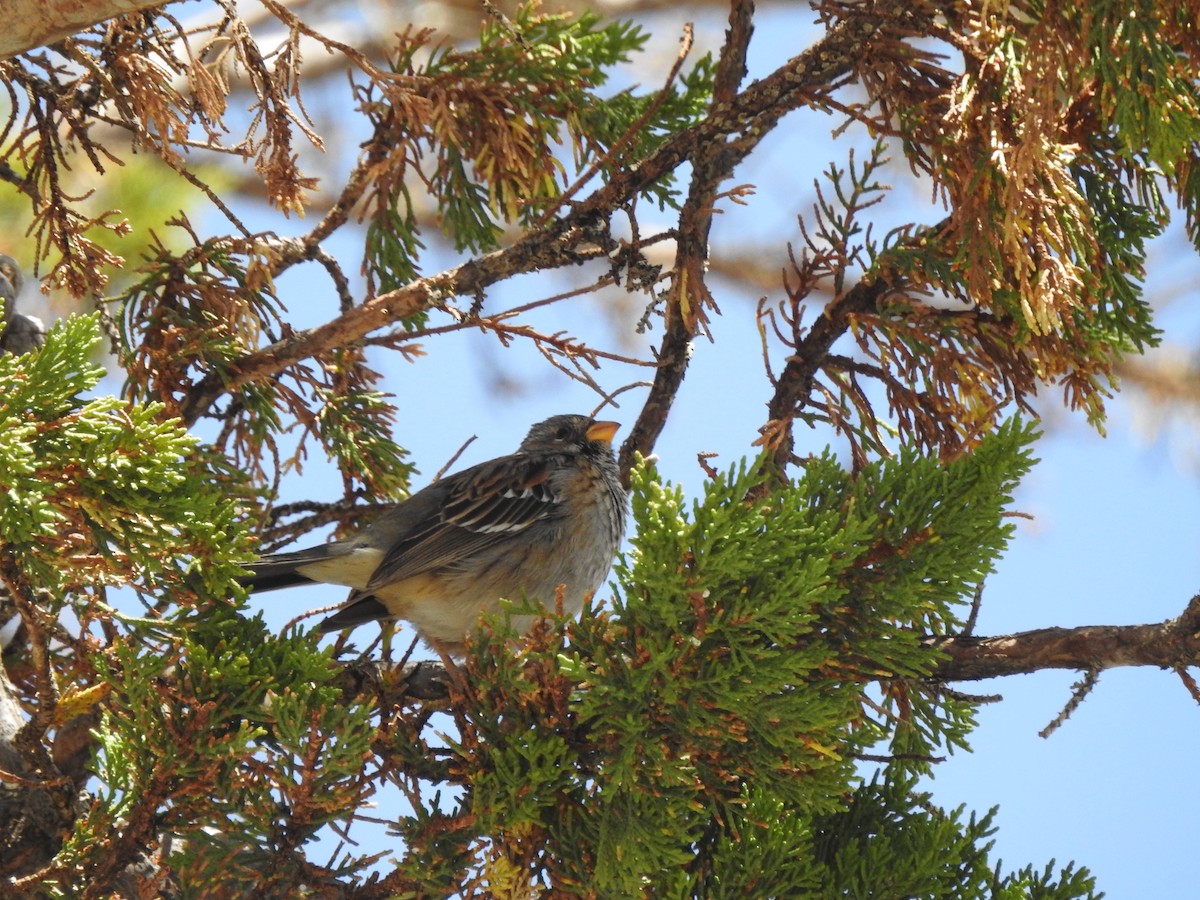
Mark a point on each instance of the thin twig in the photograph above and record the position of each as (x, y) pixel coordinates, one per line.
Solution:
(1079, 692)
(973, 616)
(453, 459)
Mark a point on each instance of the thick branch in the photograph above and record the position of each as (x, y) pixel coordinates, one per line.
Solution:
(1174, 644)
(35, 23)
(689, 293)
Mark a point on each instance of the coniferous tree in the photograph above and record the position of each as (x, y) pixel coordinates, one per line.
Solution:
(751, 710)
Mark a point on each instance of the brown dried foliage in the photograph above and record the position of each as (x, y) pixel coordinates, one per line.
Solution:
(1017, 256)
(996, 138)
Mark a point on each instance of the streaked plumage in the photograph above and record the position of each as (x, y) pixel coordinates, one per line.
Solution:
(551, 514)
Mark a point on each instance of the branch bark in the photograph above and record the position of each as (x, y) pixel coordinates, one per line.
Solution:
(689, 295)
(35, 23)
(1174, 644)
(795, 382)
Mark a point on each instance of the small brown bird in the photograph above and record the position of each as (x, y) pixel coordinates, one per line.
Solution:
(551, 514)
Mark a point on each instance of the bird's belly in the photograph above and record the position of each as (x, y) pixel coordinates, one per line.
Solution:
(448, 605)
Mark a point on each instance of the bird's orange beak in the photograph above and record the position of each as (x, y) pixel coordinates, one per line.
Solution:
(602, 431)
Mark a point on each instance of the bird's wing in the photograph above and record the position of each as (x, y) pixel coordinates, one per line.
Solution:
(23, 333)
(479, 507)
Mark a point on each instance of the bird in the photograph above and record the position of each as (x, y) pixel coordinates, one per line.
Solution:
(19, 333)
(549, 516)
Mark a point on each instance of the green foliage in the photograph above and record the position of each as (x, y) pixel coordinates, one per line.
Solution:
(1124, 222)
(603, 124)
(241, 738)
(392, 247)
(1189, 195)
(1047, 884)
(1147, 86)
(192, 316)
(103, 490)
(890, 841)
(492, 117)
(356, 426)
(207, 308)
(237, 743)
(702, 738)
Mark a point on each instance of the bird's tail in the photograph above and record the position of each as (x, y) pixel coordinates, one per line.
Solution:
(333, 563)
(268, 575)
(358, 610)
(281, 570)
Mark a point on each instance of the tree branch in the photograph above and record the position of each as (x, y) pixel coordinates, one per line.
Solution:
(795, 382)
(1174, 644)
(35, 23)
(731, 129)
(689, 294)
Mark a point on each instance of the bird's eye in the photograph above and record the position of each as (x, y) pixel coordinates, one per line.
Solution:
(562, 434)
